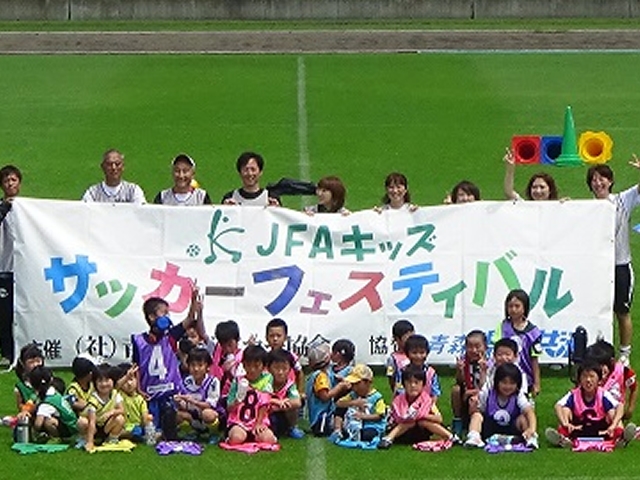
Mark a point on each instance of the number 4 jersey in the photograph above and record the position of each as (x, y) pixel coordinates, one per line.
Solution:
(158, 366)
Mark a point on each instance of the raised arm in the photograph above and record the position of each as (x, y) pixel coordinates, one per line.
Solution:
(635, 163)
(509, 174)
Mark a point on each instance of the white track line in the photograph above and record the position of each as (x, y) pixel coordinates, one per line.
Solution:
(304, 165)
(316, 462)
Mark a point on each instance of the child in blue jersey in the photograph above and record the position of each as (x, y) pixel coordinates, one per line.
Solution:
(471, 371)
(401, 330)
(322, 388)
(528, 337)
(416, 348)
(503, 410)
(198, 399)
(155, 354)
(276, 333)
(285, 399)
(343, 351)
(249, 400)
(54, 417)
(364, 419)
(80, 389)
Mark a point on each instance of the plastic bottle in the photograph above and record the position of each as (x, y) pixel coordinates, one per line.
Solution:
(150, 431)
(353, 425)
(22, 430)
(243, 386)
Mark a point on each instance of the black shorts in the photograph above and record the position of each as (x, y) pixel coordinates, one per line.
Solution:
(623, 288)
(323, 427)
(279, 423)
(415, 434)
(490, 427)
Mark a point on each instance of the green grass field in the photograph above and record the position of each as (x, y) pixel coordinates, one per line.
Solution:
(438, 118)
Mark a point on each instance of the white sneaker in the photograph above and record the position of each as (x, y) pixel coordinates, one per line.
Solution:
(624, 358)
(556, 438)
(532, 442)
(474, 440)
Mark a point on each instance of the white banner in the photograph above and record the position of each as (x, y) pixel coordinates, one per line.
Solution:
(84, 270)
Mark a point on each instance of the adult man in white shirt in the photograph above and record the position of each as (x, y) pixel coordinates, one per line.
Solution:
(113, 189)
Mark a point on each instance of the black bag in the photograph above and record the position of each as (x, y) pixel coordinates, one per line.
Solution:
(577, 349)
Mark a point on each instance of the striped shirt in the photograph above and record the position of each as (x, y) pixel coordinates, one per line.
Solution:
(196, 196)
(124, 192)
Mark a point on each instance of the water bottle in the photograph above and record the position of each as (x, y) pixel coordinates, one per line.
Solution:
(150, 431)
(22, 430)
(353, 425)
(475, 374)
(243, 386)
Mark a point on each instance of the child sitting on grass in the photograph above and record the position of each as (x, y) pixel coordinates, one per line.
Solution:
(54, 417)
(589, 411)
(105, 410)
(198, 398)
(26, 397)
(343, 352)
(276, 333)
(417, 349)
(617, 378)
(136, 411)
(414, 416)
(285, 399)
(322, 388)
(364, 418)
(503, 410)
(226, 364)
(471, 370)
(401, 330)
(249, 399)
(81, 388)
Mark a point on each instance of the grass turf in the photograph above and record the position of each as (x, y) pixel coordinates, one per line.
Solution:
(438, 118)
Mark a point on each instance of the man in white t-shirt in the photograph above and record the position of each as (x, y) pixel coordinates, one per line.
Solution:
(249, 166)
(113, 189)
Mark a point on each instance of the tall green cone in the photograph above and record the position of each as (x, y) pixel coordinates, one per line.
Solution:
(569, 156)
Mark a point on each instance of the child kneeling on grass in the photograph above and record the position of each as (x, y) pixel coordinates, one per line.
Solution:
(364, 418)
(54, 416)
(414, 415)
(504, 410)
(589, 411)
